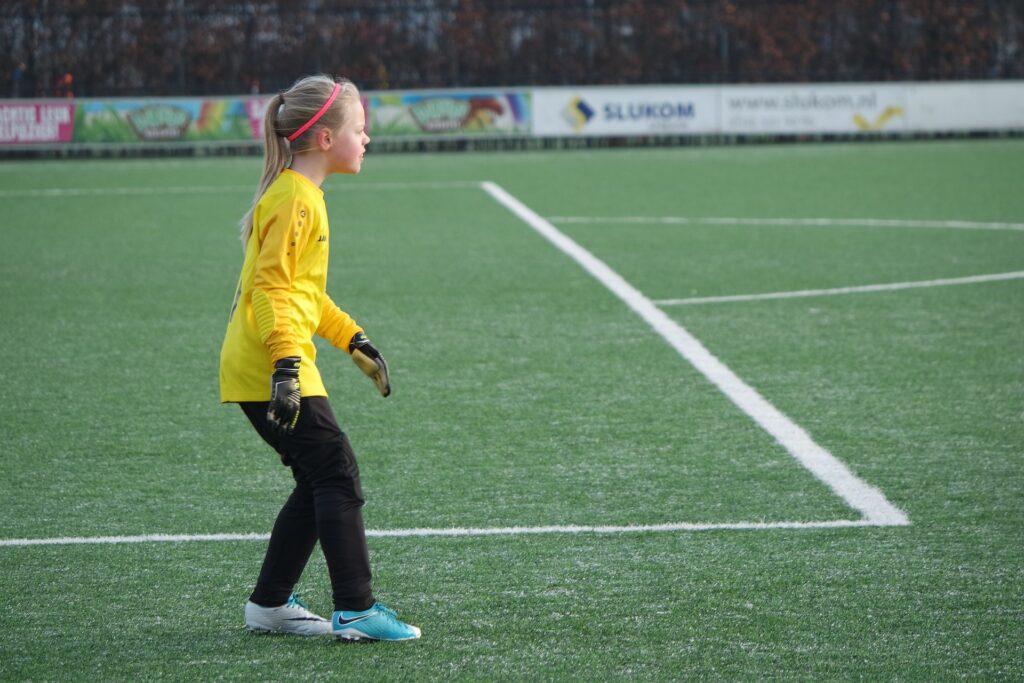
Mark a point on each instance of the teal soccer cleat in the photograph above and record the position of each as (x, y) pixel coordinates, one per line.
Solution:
(376, 623)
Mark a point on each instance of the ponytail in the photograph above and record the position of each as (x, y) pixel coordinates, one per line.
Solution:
(286, 115)
(276, 157)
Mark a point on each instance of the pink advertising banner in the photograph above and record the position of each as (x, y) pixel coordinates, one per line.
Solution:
(34, 123)
(255, 108)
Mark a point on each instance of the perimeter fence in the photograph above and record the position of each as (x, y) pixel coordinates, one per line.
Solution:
(105, 48)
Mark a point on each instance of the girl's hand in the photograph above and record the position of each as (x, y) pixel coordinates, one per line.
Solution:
(369, 360)
(283, 411)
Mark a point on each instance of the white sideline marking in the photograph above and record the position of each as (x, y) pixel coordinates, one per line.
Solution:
(1016, 275)
(145, 538)
(216, 189)
(454, 531)
(121, 191)
(820, 222)
(869, 501)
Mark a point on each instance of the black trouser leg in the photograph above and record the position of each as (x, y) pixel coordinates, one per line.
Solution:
(291, 544)
(327, 483)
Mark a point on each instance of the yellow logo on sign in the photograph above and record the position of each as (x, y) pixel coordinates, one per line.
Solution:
(879, 123)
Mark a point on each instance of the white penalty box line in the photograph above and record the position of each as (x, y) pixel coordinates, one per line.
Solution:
(869, 501)
(789, 222)
(861, 289)
(816, 222)
(875, 509)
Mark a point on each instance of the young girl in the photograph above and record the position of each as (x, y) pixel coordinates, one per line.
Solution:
(268, 365)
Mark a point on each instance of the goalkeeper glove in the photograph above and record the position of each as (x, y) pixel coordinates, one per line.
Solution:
(369, 360)
(283, 411)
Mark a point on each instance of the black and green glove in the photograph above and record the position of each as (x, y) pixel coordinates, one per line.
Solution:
(369, 360)
(283, 411)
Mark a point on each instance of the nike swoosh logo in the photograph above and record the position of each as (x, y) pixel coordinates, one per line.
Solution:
(342, 621)
(304, 619)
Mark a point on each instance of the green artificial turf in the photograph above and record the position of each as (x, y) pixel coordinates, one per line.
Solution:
(527, 395)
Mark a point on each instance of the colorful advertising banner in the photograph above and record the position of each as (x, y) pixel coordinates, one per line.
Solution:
(456, 114)
(799, 109)
(624, 111)
(165, 120)
(256, 108)
(804, 109)
(36, 123)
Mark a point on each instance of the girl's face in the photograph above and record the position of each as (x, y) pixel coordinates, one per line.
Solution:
(348, 143)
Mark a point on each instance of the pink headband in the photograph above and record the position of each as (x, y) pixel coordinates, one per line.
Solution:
(316, 116)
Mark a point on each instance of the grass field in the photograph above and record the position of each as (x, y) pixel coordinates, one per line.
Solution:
(591, 505)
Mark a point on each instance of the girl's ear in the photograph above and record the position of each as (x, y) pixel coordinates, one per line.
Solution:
(323, 138)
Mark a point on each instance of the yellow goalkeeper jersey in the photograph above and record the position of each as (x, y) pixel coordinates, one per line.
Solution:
(281, 300)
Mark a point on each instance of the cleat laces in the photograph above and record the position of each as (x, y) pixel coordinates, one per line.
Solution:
(295, 603)
(389, 613)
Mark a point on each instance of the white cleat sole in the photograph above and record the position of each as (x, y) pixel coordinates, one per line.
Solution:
(354, 636)
(301, 634)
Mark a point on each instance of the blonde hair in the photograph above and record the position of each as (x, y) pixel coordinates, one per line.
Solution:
(286, 113)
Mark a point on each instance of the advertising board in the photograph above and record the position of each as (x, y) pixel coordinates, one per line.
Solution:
(448, 114)
(27, 123)
(163, 120)
(862, 108)
(624, 111)
(996, 105)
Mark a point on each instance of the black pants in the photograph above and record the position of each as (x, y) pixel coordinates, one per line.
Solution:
(326, 505)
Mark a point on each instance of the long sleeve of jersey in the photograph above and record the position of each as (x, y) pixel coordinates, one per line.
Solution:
(336, 326)
(283, 238)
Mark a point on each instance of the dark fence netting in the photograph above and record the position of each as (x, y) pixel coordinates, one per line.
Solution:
(91, 48)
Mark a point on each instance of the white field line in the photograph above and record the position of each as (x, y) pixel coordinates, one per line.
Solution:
(451, 532)
(871, 503)
(971, 279)
(820, 222)
(216, 189)
(866, 499)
